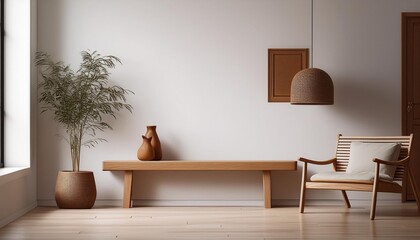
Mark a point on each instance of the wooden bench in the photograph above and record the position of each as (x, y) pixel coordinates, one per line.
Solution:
(180, 165)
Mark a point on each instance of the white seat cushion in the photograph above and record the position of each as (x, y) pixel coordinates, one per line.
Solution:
(347, 177)
(362, 154)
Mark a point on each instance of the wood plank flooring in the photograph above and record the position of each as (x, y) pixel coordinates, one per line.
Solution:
(318, 222)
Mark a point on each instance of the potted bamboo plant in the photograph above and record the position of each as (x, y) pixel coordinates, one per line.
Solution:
(79, 101)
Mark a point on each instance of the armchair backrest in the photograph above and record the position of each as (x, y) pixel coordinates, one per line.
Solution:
(343, 150)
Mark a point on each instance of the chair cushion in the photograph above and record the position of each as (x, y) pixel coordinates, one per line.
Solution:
(365, 177)
(362, 154)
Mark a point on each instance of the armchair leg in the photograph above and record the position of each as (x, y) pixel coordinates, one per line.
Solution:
(302, 200)
(303, 189)
(346, 199)
(373, 207)
(374, 192)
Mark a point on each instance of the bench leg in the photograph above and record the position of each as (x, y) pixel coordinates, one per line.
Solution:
(267, 188)
(128, 185)
(303, 188)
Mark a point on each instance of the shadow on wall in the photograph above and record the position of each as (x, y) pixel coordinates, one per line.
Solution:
(168, 151)
(197, 185)
(54, 31)
(370, 104)
(286, 184)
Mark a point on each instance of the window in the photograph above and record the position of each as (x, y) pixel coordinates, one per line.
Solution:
(1, 83)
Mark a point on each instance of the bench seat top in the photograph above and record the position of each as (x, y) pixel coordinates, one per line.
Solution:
(197, 165)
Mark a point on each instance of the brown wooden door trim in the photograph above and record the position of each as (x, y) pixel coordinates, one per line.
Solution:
(404, 71)
(408, 97)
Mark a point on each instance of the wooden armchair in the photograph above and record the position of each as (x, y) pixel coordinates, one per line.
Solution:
(373, 181)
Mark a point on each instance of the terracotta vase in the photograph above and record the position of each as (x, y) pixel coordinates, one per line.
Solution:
(145, 151)
(75, 190)
(151, 132)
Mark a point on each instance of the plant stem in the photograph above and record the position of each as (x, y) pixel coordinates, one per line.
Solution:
(75, 147)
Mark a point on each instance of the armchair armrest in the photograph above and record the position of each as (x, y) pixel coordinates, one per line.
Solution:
(325, 162)
(392, 163)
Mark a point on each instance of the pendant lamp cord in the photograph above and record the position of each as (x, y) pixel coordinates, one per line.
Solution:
(312, 33)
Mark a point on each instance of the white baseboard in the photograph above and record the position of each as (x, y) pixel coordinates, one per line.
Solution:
(196, 203)
(99, 202)
(228, 203)
(163, 203)
(336, 202)
(17, 214)
(52, 203)
(46, 203)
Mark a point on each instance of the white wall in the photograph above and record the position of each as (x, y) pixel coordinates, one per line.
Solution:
(199, 71)
(359, 44)
(18, 189)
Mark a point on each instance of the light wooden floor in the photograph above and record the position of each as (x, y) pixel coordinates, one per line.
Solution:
(319, 222)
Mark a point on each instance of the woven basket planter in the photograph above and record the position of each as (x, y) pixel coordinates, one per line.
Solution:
(75, 190)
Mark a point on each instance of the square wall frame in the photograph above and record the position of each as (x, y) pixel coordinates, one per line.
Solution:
(283, 64)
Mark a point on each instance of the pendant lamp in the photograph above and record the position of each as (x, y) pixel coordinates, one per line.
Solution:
(312, 86)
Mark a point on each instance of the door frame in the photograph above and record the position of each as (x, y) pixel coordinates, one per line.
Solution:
(404, 84)
(404, 103)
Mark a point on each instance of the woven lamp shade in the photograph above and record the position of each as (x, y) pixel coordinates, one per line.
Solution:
(312, 86)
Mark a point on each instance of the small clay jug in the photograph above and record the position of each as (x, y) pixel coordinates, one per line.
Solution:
(151, 132)
(145, 151)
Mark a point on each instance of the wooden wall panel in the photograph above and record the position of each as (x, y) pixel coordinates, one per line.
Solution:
(283, 64)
